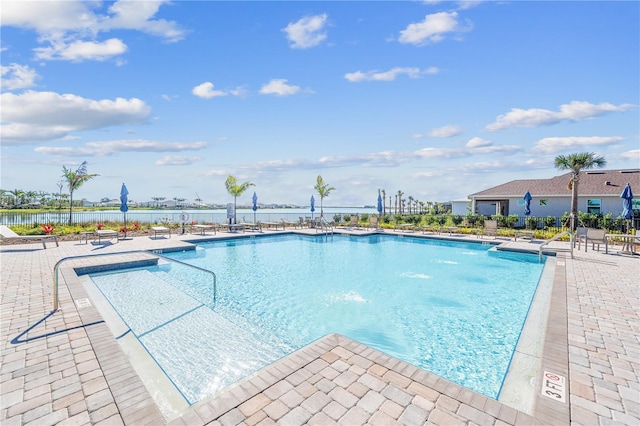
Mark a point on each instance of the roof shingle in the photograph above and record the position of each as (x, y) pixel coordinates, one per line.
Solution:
(592, 182)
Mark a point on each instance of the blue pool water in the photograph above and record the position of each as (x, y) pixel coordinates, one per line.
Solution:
(455, 309)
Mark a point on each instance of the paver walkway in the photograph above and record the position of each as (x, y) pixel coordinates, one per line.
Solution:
(67, 368)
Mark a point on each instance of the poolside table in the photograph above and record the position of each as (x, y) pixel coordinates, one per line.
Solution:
(406, 227)
(449, 230)
(523, 234)
(275, 225)
(203, 228)
(235, 227)
(628, 242)
(252, 226)
(85, 235)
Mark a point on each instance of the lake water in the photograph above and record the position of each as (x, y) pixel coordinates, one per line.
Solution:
(174, 216)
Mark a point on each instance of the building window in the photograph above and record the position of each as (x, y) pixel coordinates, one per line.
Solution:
(543, 202)
(593, 206)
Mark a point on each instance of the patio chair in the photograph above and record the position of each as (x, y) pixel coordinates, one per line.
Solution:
(8, 235)
(353, 223)
(596, 237)
(581, 235)
(490, 228)
(373, 222)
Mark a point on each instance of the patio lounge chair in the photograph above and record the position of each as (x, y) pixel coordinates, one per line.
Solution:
(490, 228)
(160, 230)
(106, 233)
(202, 228)
(290, 224)
(8, 234)
(596, 237)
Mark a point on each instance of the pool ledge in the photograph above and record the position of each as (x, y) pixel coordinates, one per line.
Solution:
(371, 387)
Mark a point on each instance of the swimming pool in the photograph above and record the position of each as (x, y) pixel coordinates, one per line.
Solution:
(455, 309)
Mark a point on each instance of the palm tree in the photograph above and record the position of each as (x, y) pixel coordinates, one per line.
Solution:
(576, 162)
(18, 196)
(323, 191)
(400, 194)
(75, 179)
(384, 202)
(236, 189)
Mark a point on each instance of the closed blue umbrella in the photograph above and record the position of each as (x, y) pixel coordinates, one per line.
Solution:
(313, 206)
(527, 204)
(123, 202)
(627, 201)
(627, 205)
(255, 206)
(379, 202)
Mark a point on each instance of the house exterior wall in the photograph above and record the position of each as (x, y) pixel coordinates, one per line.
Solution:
(460, 207)
(550, 206)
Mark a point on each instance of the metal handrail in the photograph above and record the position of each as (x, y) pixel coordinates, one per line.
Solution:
(556, 237)
(324, 226)
(56, 268)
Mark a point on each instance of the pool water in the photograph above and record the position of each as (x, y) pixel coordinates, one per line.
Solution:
(455, 309)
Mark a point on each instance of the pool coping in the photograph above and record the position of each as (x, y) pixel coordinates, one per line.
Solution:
(554, 358)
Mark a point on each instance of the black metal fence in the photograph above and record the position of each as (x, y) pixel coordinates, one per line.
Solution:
(175, 218)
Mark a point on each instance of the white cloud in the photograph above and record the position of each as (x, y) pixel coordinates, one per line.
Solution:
(16, 76)
(78, 51)
(442, 132)
(468, 4)
(477, 143)
(561, 144)
(307, 31)
(175, 160)
(206, 91)
(36, 116)
(138, 15)
(432, 29)
(634, 154)
(485, 167)
(49, 16)
(216, 173)
(411, 72)
(70, 29)
(476, 146)
(279, 87)
(107, 148)
(574, 111)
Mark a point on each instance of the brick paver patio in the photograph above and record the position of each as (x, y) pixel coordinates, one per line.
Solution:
(67, 368)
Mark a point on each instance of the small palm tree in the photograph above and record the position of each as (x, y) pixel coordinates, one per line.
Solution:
(236, 189)
(18, 196)
(323, 191)
(75, 179)
(384, 202)
(576, 162)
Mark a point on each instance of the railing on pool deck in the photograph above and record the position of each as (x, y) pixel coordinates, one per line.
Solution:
(324, 226)
(152, 253)
(545, 246)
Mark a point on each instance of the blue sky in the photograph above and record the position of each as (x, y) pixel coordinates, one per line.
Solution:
(436, 99)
